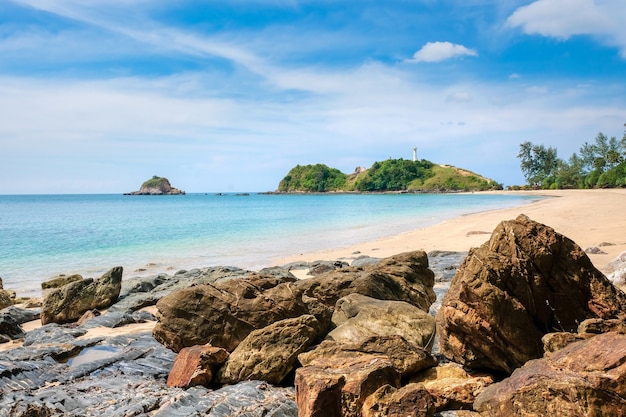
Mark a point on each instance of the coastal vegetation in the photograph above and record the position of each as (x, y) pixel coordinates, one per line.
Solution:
(601, 164)
(391, 175)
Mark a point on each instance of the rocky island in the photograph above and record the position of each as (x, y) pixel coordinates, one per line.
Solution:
(157, 186)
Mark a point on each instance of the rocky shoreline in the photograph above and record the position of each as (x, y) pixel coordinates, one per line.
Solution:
(498, 331)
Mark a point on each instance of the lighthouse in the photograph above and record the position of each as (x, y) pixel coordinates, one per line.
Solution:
(414, 154)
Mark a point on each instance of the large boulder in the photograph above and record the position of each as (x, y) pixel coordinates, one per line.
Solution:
(526, 281)
(357, 316)
(403, 277)
(224, 313)
(68, 303)
(270, 354)
(587, 378)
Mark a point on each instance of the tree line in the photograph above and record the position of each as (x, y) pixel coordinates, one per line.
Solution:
(601, 164)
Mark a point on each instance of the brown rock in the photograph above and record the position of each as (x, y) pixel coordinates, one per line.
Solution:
(196, 365)
(69, 302)
(526, 281)
(5, 299)
(403, 277)
(357, 316)
(91, 314)
(556, 341)
(451, 387)
(60, 281)
(269, 354)
(342, 385)
(411, 400)
(586, 378)
(597, 326)
(223, 314)
(408, 358)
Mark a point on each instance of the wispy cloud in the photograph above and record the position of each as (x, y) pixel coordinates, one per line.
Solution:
(440, 51)
(563, 19)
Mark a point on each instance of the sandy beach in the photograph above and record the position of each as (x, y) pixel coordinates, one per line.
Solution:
(588, 217)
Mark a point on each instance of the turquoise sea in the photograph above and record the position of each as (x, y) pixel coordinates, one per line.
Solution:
(42, 236)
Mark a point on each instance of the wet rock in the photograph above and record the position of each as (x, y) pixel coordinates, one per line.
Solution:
(526, 281)
(357, 316)
(68, 303)
(586, 378)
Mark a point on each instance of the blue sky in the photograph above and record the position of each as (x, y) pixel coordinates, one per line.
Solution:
(97, 96)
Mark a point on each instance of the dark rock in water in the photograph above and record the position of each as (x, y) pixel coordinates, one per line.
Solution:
(526, 281)
(586, 378)
(68, 303)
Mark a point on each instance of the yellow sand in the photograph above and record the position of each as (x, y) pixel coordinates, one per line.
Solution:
(588, 217)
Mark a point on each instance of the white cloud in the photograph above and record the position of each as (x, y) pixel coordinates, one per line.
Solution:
(440, 51)
(563, 19)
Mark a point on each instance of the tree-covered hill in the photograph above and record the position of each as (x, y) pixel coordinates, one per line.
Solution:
(386, 176)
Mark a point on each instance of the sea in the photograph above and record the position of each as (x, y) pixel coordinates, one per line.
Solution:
(42, 236)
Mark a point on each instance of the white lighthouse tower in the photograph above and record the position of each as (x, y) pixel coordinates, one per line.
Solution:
(414, 154)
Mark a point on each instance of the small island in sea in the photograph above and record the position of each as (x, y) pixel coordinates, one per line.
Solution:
(157, 186)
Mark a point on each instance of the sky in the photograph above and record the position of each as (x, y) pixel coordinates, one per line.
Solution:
(227, 96)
